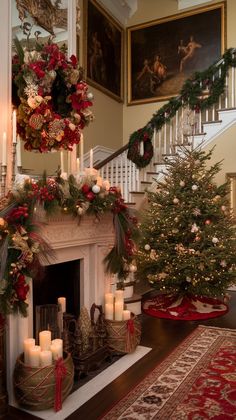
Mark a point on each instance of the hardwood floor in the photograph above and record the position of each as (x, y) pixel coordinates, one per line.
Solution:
(162, 336)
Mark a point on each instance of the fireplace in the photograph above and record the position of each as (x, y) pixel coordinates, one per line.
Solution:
(62, 279)
(83, 245)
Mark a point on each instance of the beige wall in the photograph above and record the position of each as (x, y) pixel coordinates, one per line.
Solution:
(136, 116)
(224, 150)
(107, 127)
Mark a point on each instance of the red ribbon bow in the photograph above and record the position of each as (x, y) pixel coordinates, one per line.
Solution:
(130, 326)
(60, 373)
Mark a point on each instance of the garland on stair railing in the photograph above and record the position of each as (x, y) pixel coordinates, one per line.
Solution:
(199, 92)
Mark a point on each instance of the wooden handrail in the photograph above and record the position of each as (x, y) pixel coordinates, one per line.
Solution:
(111, 157)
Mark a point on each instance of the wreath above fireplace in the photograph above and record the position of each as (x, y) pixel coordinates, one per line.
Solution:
(51, 97)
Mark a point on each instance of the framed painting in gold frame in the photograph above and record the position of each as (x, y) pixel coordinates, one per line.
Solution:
(103, 50)
(163, 53)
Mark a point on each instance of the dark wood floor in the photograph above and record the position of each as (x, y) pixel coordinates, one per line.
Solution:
(162, 336)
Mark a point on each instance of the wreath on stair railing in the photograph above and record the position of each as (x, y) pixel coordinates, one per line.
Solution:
(141, 139)
(193, 94)
(51, 97)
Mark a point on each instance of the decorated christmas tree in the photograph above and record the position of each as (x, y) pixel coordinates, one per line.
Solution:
(187, 245)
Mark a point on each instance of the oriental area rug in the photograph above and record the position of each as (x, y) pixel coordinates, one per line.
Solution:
(196, 381)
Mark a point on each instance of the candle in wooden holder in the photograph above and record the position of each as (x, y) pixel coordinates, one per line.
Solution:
(34, 353)
(62, 303)
(28, 343)
(119, 295)
(109, 298)
(126, 315)
(109, 309)
(45, 338)
(57, 348)
(45, 358)
(119, 311)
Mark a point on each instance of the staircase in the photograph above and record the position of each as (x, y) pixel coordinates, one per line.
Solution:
(187, 127)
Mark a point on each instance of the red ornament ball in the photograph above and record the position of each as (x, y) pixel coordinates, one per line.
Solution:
(85, 189)
(207, 222)
(90, 196)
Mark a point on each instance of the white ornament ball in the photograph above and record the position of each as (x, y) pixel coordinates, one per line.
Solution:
(80, 211)
(215, 240)
(223, 208)
(182, 183)
(147, 247)
(96, 189)
(188, 279)
(194, 187)
(90, 96)
(132, 268)
(176, 200)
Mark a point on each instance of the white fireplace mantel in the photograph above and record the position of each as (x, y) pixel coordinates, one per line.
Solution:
(89, 241)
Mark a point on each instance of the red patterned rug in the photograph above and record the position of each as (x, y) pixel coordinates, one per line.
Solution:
(197, 381)
(184, 308)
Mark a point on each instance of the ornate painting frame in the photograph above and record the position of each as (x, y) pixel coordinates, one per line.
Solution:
(103, 50)
(163, 53)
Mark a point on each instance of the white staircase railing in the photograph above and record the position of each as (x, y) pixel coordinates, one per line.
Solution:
(187, 127)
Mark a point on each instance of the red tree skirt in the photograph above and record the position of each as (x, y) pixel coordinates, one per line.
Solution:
(184, 308)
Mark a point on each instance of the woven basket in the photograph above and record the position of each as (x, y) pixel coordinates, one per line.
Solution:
(123, 336)
(35, 387)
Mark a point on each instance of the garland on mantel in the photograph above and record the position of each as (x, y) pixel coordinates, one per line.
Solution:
(193, 95)
(22, 213)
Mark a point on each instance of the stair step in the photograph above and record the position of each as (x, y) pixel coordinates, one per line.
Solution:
(146, 182)
(212, 122)
(153, 173)
(225, 109)
(137, 192)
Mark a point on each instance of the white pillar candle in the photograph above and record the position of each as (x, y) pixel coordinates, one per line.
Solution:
(119, 295)
(81, 152)
(57, 348)
(126, 315)
(27, 344)
(109, 309)
(77, 165)
(34, 353)
(18, 153)
(109, 298)
(62, 161)
(91, 158)
(14, 127)
(141, 151)
(119, 311)
(45, 358)
(62, 303)
(4, 149)
(45, 338)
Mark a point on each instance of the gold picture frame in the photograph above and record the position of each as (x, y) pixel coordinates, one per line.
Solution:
(103, 50)
(163, 53)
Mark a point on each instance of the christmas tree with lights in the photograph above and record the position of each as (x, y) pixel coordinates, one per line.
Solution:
(187, 245)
